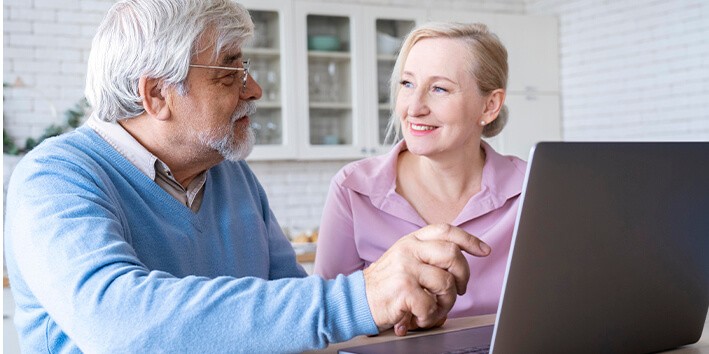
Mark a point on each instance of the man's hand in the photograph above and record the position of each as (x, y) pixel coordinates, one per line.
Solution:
(414, 284)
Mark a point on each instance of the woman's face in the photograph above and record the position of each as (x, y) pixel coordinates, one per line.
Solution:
(439, 104)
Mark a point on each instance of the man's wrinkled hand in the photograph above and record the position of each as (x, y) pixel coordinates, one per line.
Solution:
(415, 283)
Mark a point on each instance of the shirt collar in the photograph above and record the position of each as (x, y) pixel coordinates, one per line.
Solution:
(375, 177)
(126, 145)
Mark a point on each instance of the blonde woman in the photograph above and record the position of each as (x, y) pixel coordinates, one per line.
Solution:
(448, 92)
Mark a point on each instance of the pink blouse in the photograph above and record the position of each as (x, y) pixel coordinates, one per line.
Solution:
(363, 216)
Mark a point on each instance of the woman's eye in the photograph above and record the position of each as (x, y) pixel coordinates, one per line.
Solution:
(406, 84)
(439, 89)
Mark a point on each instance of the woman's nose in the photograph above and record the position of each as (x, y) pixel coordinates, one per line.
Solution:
(417, 104)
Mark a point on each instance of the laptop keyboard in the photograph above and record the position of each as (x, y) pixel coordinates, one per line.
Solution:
(471, 350)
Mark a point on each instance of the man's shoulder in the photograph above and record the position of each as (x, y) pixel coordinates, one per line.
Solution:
(75, 150)
(54, 146)
(76, 141)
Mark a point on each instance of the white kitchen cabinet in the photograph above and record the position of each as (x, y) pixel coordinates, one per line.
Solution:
(344, 88)
(328, 60)
(272, 67)
(327, 98)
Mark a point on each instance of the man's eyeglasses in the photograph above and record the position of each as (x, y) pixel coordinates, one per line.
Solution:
(244, 69)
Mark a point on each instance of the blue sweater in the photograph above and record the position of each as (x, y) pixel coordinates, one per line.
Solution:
(101, 259)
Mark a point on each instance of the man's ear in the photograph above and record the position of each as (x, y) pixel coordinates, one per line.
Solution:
(493, 105)
(151, 93)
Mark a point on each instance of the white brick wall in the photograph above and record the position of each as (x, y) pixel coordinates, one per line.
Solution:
(296, 189)
(631, 69)
(46, 46)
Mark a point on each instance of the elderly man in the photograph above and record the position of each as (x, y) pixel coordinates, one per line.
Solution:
(145, 231)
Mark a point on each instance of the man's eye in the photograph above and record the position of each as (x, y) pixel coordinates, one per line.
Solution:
(228, 80)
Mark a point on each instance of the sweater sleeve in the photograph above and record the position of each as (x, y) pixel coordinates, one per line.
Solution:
(68, 255)
(337, 251)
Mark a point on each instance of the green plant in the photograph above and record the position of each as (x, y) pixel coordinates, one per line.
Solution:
(72, 119)
(8, 144)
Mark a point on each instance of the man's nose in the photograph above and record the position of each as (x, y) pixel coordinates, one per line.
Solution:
(252, 90)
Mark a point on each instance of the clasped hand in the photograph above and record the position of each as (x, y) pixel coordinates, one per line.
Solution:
(415, 282)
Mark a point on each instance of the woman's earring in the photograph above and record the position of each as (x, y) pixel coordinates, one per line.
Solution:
(482, 123)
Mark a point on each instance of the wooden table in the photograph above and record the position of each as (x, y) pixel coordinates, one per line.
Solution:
(476, 321)
(307, 257)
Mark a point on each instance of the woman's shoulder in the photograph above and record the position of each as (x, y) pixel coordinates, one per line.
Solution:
(368, 176)
(507, 161)
(365, 168)
(518, 163)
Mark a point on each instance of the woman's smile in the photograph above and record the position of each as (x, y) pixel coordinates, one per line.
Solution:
(421, 129)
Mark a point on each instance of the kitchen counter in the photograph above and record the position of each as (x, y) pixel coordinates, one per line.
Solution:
(307, 257)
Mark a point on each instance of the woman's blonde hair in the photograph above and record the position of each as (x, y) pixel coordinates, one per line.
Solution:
(487, 58)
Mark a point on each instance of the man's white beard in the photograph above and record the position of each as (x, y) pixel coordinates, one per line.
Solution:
(223, 139)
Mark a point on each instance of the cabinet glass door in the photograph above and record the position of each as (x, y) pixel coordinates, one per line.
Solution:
(390, 34)
(272, 66)
(329, 80)
(265, 57)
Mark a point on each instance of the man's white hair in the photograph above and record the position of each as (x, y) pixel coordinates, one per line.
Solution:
(157, 39)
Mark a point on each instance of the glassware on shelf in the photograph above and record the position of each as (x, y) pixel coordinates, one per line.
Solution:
(257, 129)
(330, 127)
(314, 82)
(266, 74)
(260, 35)
(387, 44)
(271, 89)
(329, 80)
(328, 33)
(324, 42)
(333, 82)
(266, 128)
(384, 70)
(263, 21)
(318, 82)
(272, 133)
(257, 69)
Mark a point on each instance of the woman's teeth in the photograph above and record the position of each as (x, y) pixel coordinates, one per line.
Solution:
(421, 127)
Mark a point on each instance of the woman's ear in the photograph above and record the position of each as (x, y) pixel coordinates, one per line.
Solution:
(154, 102)
(493, 105)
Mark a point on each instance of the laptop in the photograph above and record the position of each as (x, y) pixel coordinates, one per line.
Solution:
(610, 254)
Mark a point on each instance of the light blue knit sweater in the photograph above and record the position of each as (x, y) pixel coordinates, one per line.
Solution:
(101, 259)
